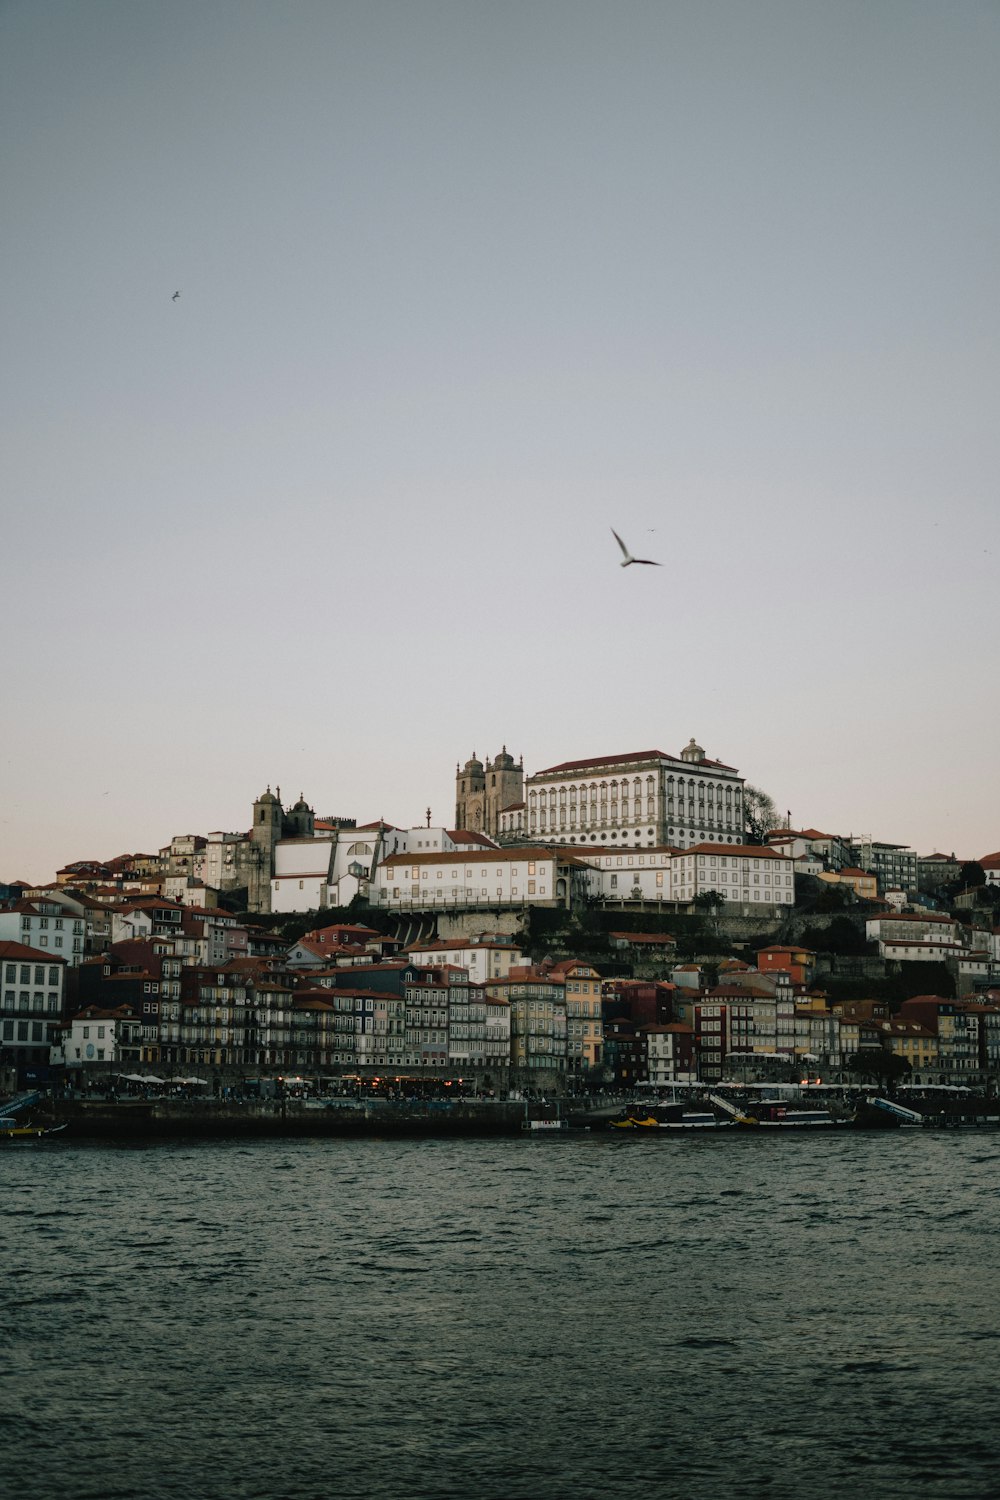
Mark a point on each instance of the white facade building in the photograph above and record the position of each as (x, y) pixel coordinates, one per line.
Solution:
(481, 958)
(47, 926)
(645, 798)
(522, 876)
(31, 1001)
(752, 877)
(331, 868)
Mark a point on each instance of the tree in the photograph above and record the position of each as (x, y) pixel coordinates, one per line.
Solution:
(971, 873)
(711, 902)
(760, 813)
(879, 1064)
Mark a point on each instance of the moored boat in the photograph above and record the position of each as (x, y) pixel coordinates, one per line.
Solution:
(777, 1114)
(10, 1130)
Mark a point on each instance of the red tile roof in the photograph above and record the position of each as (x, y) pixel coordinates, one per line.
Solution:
(636, 756)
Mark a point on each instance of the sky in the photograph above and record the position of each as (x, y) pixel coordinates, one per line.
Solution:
(462, 287)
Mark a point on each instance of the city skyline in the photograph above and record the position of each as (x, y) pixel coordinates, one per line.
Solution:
(461, 290)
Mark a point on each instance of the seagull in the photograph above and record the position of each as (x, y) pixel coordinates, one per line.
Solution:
(629, 559)
(175, 296)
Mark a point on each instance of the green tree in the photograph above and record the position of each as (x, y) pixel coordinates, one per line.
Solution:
(760, 813)
(971, 873)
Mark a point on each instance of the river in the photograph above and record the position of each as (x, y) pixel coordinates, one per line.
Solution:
(774, 1318)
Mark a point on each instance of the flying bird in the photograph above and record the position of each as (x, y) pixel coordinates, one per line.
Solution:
(175, 296)
(629, 559)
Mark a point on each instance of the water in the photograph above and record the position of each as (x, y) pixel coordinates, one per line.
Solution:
(577, 1317)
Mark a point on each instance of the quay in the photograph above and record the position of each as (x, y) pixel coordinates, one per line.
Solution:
(140, 1120)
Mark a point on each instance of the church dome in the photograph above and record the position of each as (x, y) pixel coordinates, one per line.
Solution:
(474, 766)
(267, 797)
(504, 761)
(692, 751)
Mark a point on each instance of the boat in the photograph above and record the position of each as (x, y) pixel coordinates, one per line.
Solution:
(776, 1114)
(10, 1130)
(670, 1117)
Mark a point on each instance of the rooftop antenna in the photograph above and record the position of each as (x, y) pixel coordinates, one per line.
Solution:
(428, 816)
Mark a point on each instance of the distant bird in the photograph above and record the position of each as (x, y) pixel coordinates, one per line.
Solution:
(629, 559)
(175, 296)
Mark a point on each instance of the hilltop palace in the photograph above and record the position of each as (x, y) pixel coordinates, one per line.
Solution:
(291, 860)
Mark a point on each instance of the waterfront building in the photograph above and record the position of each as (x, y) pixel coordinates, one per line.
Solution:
(31, 1002)
(956, 1027)
(584, 1031)
(537, 1021)
(670, 1055)
(741, 1029)
(916, 1044)
(641, 798)
(426, 996)
(818, 1038)
(98, 1038)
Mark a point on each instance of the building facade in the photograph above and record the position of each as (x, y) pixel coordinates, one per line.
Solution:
(483, 792)
(640, 799)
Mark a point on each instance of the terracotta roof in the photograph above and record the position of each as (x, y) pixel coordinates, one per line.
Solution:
(757, 850)
(634, 757)
(462, 856)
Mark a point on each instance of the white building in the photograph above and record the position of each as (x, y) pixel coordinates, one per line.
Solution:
(752, 877)
(644, 798)
(47, 926)
(31, 1001)
(630, 874)
(482, 958)
(524, 876)
(98, 1036)
(334, 866)
(749, 876)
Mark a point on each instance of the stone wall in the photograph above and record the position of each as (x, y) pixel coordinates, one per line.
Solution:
(464, 924)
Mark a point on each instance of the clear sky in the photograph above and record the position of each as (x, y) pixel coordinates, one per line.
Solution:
(464, 285)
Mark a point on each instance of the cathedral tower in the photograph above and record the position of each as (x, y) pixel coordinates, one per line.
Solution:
(482, 792)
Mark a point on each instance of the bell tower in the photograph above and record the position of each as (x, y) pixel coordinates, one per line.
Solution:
(504, 786)
(268, 820)
(470, 794)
